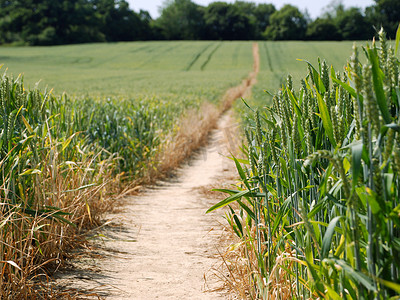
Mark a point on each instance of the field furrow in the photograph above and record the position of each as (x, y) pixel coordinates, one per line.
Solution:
(204, 65)
(196, 57)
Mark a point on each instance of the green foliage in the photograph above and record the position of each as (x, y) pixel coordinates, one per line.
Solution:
(225, 21)
(277, 58)
(188, 71)
(323, 29)
(320, 185)
(147, 87)
(386, 13)
(286, 24)
(49, 22)
(263, 14)
(352, 25)
(181, 20)
(61, 158)
(45, 170)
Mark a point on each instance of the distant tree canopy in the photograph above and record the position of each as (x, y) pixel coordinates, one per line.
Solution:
(51, 22)
(181, 20)
(228, 22)
(386, 13)
(288, 23)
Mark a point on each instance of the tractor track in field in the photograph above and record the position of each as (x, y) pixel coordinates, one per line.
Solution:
(161, 244)
(197, 56)
(203, 66)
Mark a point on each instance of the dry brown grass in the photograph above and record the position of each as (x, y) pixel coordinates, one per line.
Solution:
(240, 276)
(193, 132)
(34, 245)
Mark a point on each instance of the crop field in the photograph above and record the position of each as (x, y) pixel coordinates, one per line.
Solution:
(162, 68)
(278, 59)
(127, 105)
(317, 212)
(121, 123)
(184, 69)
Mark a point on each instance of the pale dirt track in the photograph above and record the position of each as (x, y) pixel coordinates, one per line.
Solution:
(165, 246)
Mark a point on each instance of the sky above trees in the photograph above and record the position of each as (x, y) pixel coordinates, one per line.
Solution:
(314, 7)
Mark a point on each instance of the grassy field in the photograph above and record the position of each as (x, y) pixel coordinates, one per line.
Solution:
(183, 69)
(193, 69)
(278, 59)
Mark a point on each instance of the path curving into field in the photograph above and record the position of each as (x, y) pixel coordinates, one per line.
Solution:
(164, 245)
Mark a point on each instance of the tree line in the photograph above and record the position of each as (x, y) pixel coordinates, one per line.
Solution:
(53, 22)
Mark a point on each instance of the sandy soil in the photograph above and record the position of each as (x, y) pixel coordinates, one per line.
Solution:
(161, 244)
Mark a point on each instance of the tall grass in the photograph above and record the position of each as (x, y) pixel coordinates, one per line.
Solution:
(318, 201)
(51, 186)
(61, 161)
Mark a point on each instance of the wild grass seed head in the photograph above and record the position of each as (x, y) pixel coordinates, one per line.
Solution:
(393, 68)
(289, 82)
(273, 149)
(341, 112)
(296, 136)
(390, 137)
(307, 134)
(312, 104)
(356, 69)
(357, 118)
(377, 179)
(335, 125)
(325, 76)
(327, 100)
(258, 127)
(283, 137)
(371, 106)
(284, 106)
(288, 108)
(383, 49)
(396, 161)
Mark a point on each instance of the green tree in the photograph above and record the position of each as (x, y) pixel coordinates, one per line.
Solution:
(288, 23)
(259, 16)
(385, 13)
(49, 22)
(352, 24)
(323, 29)
(181, 20)
(263, 14)
(119, 23)
(225, 21)
(44, 22)
(78, 22)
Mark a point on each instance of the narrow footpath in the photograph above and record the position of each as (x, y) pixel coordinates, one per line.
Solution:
(164, 246)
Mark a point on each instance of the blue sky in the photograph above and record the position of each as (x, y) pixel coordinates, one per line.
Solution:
(314, 7)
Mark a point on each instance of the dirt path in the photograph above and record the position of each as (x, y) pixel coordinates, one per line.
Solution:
(165, 244)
